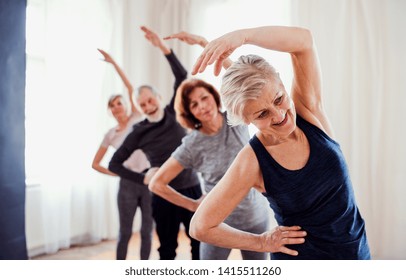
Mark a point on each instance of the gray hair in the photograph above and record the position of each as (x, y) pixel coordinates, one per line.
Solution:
(140, 88)
(244, 81)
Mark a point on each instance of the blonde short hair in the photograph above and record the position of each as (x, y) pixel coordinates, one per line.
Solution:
(112, 98)
(244, 81)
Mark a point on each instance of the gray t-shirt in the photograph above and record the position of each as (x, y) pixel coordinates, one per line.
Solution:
(212, 156)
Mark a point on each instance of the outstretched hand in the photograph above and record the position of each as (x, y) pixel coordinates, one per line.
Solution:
(275, 240)
(106, 56)
(151, 36)
(188, 38)
(217, 51)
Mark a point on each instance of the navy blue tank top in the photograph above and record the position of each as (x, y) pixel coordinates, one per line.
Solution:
(318, 197)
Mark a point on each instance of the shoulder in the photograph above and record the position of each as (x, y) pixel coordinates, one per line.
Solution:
(135, 118)
(246, 163)
(141, 125)
(138, 129)
(191, 141)
(246, 156)
(110, 133)
(241, 129)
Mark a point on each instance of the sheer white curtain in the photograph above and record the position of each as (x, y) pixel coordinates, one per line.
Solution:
(361, 52)
(66, 121)
(146, 64)
(361, 46)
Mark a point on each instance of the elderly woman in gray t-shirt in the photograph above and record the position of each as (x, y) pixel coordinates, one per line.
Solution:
(210, 149)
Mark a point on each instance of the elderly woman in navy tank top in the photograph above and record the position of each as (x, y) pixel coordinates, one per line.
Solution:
(293, 159)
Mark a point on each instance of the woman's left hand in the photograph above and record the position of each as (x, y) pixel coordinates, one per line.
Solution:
(106, 56)
(188, 38)
(218, 50)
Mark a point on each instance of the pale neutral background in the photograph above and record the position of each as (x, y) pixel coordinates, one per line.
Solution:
(361, 45)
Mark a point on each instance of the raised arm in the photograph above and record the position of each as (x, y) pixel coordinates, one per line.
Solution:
(154, 39)
(159, 185)
(207, 223)
(123, 77)
(298, 42)
(193, 39)
(177, 68)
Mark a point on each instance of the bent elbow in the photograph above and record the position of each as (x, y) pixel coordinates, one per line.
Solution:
(112, 167)
(152, 186)
(307, 41)
(197, 229)
(156, 187)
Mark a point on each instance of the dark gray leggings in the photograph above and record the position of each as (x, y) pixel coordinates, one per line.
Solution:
(130, 196)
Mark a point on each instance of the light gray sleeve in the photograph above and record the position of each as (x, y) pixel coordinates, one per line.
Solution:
(183, 153)
(107, 139)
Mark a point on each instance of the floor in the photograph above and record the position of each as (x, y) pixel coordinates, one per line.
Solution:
(106, 250)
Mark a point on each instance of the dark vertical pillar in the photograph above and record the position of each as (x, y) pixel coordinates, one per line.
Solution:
(12, 133)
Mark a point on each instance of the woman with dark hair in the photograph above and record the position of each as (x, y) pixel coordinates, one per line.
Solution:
(209, 148)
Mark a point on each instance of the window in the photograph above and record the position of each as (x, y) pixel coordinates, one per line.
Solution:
(35, 87)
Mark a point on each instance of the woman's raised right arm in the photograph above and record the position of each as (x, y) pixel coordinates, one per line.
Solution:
(123, 76)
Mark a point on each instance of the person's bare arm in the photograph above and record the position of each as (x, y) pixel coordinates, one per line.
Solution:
(207, 223)
(159, 185)
(98, 157)
(108, 58)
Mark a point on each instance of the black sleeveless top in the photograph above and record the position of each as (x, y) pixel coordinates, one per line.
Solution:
(318, 197)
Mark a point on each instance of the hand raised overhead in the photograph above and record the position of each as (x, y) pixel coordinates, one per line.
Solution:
(217, 51)
(188, 38)
(106, 56)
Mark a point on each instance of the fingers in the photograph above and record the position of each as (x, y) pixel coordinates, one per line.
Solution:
(145, 29)
(291, 232)
(281, 236)
(174, 36)
(288, 251)
(205, 62)
(208, 57)
(285, 228)
(218, 66)
(148, 33)
(197, 65)
(213, 53)
(102, 52)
